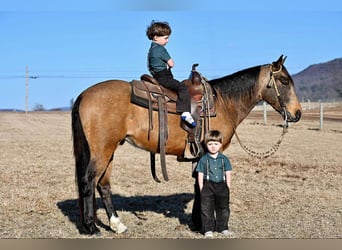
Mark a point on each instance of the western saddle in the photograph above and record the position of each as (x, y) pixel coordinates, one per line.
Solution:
(150, 94)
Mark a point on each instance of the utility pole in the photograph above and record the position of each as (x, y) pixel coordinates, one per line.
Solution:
(321, 115)
(26, 95)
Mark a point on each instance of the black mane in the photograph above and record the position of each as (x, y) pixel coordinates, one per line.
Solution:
(238, 84)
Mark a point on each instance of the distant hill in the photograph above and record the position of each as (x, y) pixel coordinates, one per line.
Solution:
(321, 81)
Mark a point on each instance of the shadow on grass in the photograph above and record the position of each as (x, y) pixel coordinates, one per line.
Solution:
(171, 206)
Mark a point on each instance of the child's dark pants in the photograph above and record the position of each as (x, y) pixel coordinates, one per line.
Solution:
(165, 78)
(214, 201)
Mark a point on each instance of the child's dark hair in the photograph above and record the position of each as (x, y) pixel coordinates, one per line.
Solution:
(158, 29)
(213, 135)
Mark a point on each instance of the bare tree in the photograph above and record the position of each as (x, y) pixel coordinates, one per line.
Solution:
(38, 107)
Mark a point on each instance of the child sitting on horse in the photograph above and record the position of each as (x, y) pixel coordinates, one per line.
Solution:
(160, 64)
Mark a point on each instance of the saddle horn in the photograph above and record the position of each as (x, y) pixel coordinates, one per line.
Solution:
(194, 66)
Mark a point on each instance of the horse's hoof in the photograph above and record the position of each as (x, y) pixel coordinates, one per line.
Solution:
(121, 228)
(90, 230)
(116, 225)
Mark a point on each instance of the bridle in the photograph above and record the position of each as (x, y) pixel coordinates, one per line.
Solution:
(276, 146)
(272, 83)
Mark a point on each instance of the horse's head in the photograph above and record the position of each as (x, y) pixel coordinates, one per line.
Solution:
(279, 91)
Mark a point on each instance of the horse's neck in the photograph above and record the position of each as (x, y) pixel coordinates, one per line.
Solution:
(240, 109)
(246, 104)
(232, 114)
(234, 109)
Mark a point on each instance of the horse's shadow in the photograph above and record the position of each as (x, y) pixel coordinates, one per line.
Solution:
(171, 206)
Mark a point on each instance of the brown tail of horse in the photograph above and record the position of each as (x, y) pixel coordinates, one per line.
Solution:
(81, 153)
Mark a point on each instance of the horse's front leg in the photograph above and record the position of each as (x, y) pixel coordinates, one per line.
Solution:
(105, 192)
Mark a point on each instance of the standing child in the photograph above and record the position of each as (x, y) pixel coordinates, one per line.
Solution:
(214, 179)
(160, 64)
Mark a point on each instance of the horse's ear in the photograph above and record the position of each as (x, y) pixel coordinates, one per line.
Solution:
(277, 64)
(283, 59)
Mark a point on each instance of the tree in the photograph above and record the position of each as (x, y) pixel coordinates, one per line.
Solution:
(38, 107)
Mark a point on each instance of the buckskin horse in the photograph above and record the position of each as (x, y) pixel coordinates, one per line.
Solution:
(103, 117)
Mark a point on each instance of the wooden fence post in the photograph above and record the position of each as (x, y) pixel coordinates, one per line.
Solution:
(265, 113)
(320, 115)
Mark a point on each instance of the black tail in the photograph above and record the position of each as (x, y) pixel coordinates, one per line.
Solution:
(81, 150)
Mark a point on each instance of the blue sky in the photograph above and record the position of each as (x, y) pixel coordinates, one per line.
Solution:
(70, 46)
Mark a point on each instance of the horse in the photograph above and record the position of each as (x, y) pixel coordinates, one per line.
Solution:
(103, 118)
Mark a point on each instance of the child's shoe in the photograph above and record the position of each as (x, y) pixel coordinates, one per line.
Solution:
(208, 235)
(227, 233)
(186, 116)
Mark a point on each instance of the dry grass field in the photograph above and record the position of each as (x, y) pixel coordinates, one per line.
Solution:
(296, 193)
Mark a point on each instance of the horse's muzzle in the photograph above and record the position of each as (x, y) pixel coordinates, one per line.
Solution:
(290, 118)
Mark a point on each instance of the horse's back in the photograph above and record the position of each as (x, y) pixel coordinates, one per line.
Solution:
(107, 89)
(105, 96)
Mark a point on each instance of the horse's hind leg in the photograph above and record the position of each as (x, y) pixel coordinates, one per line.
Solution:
(104, 190)
(87, 200)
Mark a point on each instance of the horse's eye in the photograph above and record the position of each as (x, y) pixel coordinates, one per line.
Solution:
(284, 80)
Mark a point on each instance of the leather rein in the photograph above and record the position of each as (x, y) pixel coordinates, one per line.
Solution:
(274, 148)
